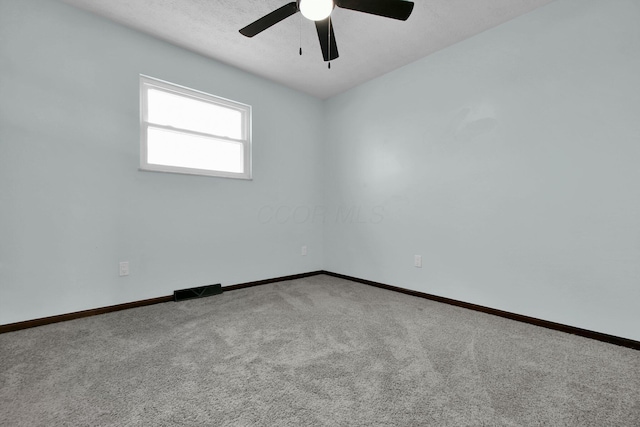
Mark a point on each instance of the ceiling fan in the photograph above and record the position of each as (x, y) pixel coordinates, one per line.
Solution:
(320, 12)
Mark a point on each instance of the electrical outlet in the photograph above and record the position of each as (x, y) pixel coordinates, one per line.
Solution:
(124, 268)
(303, 251)
(417, 261)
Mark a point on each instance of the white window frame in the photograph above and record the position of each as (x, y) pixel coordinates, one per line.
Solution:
(147, 83)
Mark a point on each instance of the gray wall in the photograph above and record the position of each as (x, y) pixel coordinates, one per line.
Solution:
(72, 201)
(510, 162)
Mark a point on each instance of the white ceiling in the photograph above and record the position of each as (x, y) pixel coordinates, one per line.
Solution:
(369, 45)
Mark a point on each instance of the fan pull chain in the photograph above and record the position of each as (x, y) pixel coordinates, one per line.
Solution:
(329, 37)
(300, 34)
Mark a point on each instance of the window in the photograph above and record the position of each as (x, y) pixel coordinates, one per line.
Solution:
(186, 131)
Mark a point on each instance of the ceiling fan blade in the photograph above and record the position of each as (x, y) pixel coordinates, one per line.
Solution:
(270, 19)
(396, 9)
(329, 49)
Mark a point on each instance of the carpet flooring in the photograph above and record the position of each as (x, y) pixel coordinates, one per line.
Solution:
(318, 351)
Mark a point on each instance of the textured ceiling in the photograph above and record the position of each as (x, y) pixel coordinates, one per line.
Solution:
(369, 45)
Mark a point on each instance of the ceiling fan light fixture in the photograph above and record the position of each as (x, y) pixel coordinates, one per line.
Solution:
(316, 10)
(320, 11)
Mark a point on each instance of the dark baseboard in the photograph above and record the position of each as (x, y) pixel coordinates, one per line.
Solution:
(611, 339)
(102, 310)
(78, 314)
(274, 280)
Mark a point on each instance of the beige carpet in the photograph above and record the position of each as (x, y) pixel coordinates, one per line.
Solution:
(315, 351)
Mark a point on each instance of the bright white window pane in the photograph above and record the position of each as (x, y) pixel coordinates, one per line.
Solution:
(177, 111)
(177, 149)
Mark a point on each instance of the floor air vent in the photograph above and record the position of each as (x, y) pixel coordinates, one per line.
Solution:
(200, 292)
